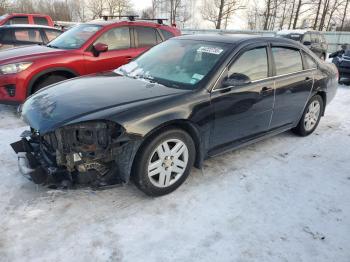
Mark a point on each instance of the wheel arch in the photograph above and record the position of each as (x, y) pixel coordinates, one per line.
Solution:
(185, 125)
(54, 70)
(323, 95)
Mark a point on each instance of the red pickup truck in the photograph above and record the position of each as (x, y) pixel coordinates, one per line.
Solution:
(16, 18)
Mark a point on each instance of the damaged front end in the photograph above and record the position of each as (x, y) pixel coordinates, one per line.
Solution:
(90, 153)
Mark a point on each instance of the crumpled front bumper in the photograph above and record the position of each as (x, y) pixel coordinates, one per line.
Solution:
(34, 168)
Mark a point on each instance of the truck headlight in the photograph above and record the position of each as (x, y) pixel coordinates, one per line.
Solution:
(14, 68)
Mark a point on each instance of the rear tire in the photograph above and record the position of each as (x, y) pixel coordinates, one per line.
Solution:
(164, 162)
(52, 79)
(311, 117)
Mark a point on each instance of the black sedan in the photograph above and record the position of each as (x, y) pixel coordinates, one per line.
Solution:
(342, 61)
(185, 100)
(20, 35)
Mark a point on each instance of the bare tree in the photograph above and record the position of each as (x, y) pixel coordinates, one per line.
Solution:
(344, 15)
(96, 7)
(147, 13)
(118, 7)
(217, 11)
(4, 5)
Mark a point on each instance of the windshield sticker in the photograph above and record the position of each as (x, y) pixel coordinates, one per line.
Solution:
(197, 76)
(210, 50)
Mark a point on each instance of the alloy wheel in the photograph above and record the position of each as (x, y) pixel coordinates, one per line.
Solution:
(312, 115)
(168, 163)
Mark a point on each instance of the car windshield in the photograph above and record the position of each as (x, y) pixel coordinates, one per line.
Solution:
(176, 63)
(296, 37)
(75, 37)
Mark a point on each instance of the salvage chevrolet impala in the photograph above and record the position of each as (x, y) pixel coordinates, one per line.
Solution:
(185, 100)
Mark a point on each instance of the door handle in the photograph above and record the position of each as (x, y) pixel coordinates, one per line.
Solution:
(308, 78)
(129, 58)
(265, 90)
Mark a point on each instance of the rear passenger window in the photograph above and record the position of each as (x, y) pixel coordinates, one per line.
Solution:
(146, 36)
(307, 38)
(252, 63)
(51, 34)
(310, 63)
(40, 21)
(287, 60)
(116, 38)
(28, 35)
(166, 34)
(314, 38)
(18, 20)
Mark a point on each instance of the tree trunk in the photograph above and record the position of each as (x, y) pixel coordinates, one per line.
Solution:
(221, 9)
(323, 17)
(283, 15)
(344, 16)
(291, 15)
(297, 15)
(317, 14)
(267, 15)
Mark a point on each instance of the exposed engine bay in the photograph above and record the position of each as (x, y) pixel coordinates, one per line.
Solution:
(90, 153)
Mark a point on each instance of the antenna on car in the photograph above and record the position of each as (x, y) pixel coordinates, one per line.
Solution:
(107, 17)
(159, 20)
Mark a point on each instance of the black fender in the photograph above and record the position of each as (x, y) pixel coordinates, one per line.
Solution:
(46, 71)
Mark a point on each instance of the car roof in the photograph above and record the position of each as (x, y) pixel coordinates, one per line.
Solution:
(26, 14)
(235, 38)
(118, 21)
(29, 26)
(296, 31)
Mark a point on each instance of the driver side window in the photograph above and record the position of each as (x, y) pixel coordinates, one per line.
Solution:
(252, 63)
(116, 38)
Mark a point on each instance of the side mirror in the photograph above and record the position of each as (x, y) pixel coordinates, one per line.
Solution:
(236, 79)
(307, 43)
(99, 48)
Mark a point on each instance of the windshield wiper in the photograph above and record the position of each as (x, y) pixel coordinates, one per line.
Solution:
(52, 46)
(149, 78)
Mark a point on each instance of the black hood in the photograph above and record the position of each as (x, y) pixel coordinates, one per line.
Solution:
(73, 100)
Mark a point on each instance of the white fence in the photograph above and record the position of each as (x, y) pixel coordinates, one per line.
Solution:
(334, 39)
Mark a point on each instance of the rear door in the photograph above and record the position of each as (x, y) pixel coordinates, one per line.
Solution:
(145, 38)
(244, 112)
(120, 51)
(293, 83)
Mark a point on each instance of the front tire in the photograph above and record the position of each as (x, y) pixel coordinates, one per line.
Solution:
(311, 117)
(164, 162)
(52, 79)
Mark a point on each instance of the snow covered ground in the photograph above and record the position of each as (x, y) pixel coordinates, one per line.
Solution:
(284, 199)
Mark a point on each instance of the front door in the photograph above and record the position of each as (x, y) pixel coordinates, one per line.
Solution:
(120, 51)
(243, 112)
